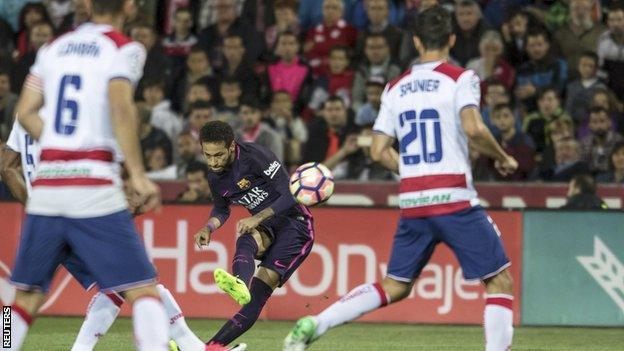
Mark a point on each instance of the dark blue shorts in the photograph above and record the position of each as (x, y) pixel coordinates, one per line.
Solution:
(292, 239)
(470, 234)
(106, 248)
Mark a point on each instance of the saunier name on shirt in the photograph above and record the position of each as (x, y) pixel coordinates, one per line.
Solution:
(253, 198)
(272, 170)
(420, 85)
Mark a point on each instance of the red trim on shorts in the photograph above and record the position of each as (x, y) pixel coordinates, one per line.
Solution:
(118, 38)
(71, 181)
(72, 155)
(435, 210)
(435, 181)
(451, 71)
(22, 313)
(117, 300)
(500, 301)
(382, 294)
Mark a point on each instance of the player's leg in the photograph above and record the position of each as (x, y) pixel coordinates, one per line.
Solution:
(413, 245)
(113, 253)
(41, 249)
(292, 243)
(475, 240)
(237, 284)
(179, 331)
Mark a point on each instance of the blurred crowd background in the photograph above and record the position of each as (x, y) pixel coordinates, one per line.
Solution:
(304, 78)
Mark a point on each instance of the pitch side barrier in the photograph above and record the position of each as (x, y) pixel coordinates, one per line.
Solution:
(566, 267)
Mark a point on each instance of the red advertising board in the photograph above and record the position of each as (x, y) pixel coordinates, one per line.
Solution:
(352, 246)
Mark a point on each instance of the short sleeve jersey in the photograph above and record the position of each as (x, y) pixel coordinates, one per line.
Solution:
(21, 142)
(421, 108)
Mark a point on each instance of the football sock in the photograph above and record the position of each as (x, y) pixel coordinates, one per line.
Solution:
(150, 324)
(20, 322)
(243, 264)
(247, 316)
(101, 313)
(363, 299)
(178, 330)
(498, 322)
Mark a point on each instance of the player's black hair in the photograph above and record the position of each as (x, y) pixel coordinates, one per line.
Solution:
(216, 132)
(434, 28)
(196, 166)
(585, 183)
(101, 7)
(591, 55)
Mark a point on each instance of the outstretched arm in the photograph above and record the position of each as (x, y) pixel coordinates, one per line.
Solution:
(11, 175)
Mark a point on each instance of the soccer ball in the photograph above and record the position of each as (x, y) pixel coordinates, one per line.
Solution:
(312, 183)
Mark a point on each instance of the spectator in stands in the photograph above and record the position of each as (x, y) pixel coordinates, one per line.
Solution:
(238, 67)
(81, 14)
(611, 50)
(163, 117)
(337, 81)
(597, 147)
(310, 13)
(197, 182)
(568, 162)
(228, 22)
(206, 11)
(543, 69)
(469, 27)
(31, 14)
(557, 129)
(7, 104)
(198, 70)
(259, 13)
(495, 94)
(196, 92)
(189, 151)
(58, 9)
(253, 130)
(616, 166)
(490, 63)
(334, 31)
(286, 20)
(228, 109)
(549, 108)
(157, 64)
(6, 41)
(514, 32)
(291, 128)
(580, 91)
(333, 138)
(580, 34)
(514, 142)
(378, 63)
(158, 165)
(289, 73)
(39, 34)
(609, 101)
(367, 114)
(582, 194)
(200, 113)
(178, 44)
(355, 13)
(378, 13)
(152, 137)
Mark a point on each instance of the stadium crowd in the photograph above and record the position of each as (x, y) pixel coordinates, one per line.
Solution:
(304, 78)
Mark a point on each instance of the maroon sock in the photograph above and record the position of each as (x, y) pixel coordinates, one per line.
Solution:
(247, 316)
(243, 264)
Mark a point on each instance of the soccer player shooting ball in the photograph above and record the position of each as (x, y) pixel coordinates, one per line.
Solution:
(433, 110)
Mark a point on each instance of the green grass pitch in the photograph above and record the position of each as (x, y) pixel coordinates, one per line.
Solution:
(58, 334)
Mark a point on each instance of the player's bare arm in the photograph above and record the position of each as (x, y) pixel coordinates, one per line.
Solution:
(246, 225)
(27, 108)
(383, 152)
(125, 124)
(11, 174)
(202, 237)
(480, 136)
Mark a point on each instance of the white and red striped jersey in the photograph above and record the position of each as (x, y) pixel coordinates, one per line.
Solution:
(78, 173)
(421, 109)
(29, 150)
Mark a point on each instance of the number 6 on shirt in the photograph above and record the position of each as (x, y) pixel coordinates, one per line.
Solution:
(61, 125)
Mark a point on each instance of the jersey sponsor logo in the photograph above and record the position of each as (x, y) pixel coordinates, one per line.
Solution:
(418, 85)
(253, 198)
(425, 200)
(243, 184)
(272, 170)
(63, 172)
